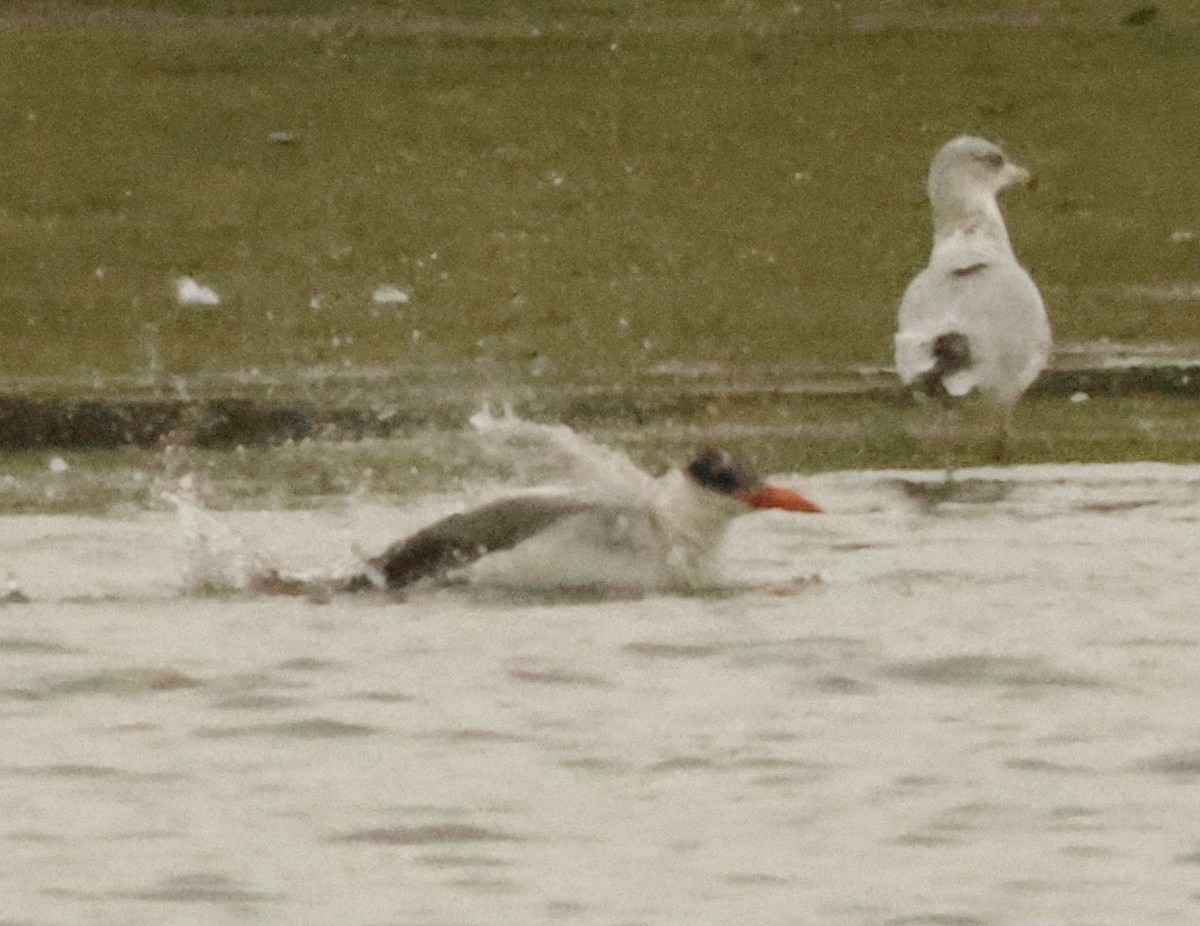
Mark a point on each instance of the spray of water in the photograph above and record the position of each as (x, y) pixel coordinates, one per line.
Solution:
(590, 468)
(216, 559)
(633, 540)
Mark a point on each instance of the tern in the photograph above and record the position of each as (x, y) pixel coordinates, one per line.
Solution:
(670, 533)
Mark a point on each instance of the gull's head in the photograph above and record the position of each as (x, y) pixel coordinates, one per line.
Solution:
(964, 180)
(966, 176)
(717, 471)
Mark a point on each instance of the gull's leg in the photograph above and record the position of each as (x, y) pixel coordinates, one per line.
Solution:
(1002, 435)
(946, 421)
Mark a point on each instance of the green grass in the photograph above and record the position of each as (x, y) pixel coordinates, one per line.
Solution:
(574, 192)
(736, 184)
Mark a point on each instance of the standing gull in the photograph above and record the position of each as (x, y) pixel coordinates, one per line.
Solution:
(973, 320)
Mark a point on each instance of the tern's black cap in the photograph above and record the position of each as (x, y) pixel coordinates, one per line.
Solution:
(720, 472)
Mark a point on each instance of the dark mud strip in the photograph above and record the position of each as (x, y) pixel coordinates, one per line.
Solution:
(31, 423)
(98, 424)
(1180, 381)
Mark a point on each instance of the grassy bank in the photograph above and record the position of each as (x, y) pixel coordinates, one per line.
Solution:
(566, 191)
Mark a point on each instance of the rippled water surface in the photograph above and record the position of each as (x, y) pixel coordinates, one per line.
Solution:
(915, 709)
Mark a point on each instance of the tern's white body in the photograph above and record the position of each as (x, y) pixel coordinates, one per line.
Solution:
(973, 285)
(664, 535)
(617, 527)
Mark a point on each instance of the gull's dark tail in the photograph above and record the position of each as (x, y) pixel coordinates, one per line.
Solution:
(951, 354)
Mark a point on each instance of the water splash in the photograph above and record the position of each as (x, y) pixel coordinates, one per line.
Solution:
(216, 559)
(590, 468)
(640, 533)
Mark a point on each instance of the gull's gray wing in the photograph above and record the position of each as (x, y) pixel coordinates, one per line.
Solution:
(993, 312)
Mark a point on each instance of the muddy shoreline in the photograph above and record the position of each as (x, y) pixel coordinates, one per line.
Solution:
(29, 422)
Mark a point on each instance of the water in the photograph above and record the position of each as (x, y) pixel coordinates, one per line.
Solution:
(977, 709)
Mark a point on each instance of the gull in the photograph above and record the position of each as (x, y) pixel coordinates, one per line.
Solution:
(973, 319)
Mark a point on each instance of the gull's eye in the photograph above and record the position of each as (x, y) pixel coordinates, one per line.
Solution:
(993, 159)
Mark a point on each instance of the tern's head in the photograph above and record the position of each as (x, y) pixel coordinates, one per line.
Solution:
(969, 167)
(719, 472)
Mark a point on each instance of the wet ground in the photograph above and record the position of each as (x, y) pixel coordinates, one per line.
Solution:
(266, 412)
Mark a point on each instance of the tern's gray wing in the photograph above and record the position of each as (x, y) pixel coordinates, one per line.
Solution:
(463, 538)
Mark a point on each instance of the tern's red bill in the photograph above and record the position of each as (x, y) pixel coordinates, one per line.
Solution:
(769, 496)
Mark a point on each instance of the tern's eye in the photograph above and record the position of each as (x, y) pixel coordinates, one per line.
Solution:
(993, 159)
